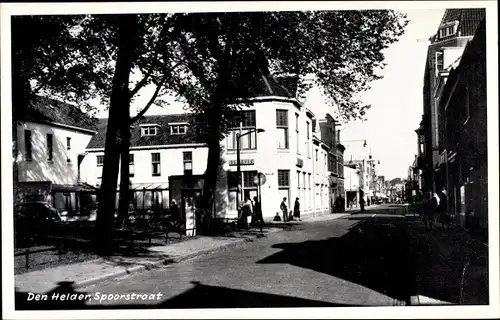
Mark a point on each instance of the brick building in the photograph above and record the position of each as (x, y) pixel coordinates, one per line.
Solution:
(463, 140)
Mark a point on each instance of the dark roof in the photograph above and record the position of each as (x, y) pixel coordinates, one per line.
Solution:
(44, 109)
(267, 85)
(163, 136)
(468, 20)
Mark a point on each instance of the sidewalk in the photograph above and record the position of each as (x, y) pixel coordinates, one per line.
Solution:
(93, 271)
(450, 266)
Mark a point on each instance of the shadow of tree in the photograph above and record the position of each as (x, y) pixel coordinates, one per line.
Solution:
(26, 301)
(445, 258)
(373, 253)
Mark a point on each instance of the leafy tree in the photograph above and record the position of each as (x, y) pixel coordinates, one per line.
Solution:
(225, 53)
(75, 58)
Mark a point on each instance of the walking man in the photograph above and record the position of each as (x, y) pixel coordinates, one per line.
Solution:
(296, 209)
(257, 212)
(429, 207)
(362, 204)
(284, 209)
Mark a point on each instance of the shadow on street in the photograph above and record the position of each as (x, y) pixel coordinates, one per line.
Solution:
(201, 296)
(373, 253)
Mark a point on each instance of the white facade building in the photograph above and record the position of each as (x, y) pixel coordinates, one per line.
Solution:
(50, 142)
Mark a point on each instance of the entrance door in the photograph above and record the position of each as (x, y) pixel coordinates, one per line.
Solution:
(189, 201)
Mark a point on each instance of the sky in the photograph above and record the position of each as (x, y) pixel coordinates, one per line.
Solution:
(396, 101)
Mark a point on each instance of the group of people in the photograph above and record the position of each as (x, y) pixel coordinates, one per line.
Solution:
(288, 215)
(251, 213)
(434, 210)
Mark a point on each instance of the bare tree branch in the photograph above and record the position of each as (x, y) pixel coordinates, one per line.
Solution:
(150, 102)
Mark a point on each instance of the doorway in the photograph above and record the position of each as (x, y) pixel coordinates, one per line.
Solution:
(190, 199)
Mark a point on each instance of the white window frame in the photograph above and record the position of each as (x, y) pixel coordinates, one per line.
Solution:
(155, 162)
(28, 145)
(68, 149)
(131, 165)
(178, 129)
(99, 163)
(149, 131)
(283, 127)
(187, 160)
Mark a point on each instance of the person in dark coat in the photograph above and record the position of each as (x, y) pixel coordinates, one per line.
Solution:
(296, 209)
(362, 204)
(442, 210)
(257, 212)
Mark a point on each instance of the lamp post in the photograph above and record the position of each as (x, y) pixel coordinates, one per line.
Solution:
(238, 163)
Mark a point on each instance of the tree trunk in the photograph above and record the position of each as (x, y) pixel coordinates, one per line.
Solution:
(123, 203)
(211, 176)
(127, 28)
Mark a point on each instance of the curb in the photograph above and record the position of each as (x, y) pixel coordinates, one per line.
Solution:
(163, 262)
(426, 301)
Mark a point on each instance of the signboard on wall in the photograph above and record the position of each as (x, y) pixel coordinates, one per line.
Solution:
(243, 162)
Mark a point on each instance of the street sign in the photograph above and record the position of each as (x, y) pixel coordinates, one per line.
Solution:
(259, 179)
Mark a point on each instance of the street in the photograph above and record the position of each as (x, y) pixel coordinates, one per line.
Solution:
(356, 260)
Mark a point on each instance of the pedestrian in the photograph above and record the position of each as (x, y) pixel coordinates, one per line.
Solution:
(362, 204)
(257, 213)
(368, 202)
(429, 207)
(246, 212)
(284, 209)
(442, 209)
(296, 209)
(175, 214)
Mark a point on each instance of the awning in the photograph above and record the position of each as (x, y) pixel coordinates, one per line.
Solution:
(150, 186)
(73, 188)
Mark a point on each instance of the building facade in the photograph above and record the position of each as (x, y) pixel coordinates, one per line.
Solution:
(463, 148)
(50, 141)
(165, 150)
(455, 30)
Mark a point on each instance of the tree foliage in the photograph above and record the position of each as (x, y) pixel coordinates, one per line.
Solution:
(209, 60)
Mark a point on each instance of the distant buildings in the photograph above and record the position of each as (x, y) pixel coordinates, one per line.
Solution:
(452, 134)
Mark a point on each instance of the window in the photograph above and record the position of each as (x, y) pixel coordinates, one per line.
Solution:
(316, 161)
(249, 189)
(27, 145)
(298, 179)
(148, 131)
(100, 161)
(68, 149)
(248, 177)
(308, 135)
(310, 192)
(247, 141)
(282, 128)
(178, 129)
(131, 166)
(187, 158)
(284, 185)
(155, 164)
(297, 137)
(50, 147)
(325, 165)
(283, 178)
(439, 61)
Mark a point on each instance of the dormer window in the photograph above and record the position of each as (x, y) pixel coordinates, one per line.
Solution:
(178, 128)
(448, 29)
(149, 129)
